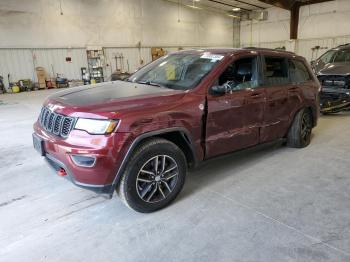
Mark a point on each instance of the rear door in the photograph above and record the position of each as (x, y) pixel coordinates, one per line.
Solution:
(301, 80)
(276, 82)
(234, 118)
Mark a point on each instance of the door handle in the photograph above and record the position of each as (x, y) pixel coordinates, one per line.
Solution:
(145, 121)
(256, 95)
(294, 88)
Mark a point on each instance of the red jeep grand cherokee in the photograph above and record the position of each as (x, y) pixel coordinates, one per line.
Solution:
(139, 136)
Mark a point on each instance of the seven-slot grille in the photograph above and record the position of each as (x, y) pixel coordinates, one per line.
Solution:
(57, 124)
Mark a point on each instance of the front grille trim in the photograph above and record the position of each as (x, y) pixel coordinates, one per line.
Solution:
(54, 123)
(335, 81)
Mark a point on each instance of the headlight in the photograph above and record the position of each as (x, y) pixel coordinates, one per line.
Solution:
(96, 126)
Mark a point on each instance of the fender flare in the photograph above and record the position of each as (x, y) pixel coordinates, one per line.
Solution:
(184, 132)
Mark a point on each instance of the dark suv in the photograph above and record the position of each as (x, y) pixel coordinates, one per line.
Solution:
(140, 136)
(333, 72)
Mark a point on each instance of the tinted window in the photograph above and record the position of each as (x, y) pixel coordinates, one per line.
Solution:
(241, 74)
(275, 71)
(342, 56)
(298, 72)
(327, 57)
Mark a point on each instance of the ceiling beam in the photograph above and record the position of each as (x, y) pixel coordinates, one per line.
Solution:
(288, 4)
(311, 2)
(234, 6)
(246, 3)
(284, 4)
(294, 7)
(294, 21)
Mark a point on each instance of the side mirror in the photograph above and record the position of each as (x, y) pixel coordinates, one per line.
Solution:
(218, 90)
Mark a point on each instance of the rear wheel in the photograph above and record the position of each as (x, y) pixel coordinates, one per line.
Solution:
(299, 134)
(154, 176)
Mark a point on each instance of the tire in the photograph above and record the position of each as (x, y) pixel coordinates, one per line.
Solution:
(299, 134)
(144, 190)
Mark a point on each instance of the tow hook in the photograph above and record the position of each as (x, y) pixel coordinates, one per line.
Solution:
(61, 172)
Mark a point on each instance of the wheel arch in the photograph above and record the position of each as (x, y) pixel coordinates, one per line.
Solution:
(312, 112)
(178, 135)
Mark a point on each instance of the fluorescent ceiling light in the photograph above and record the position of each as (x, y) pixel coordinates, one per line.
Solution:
(193, 6)
(234, 16)
(236, 9)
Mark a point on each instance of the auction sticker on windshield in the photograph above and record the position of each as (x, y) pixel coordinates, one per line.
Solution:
(212, 57)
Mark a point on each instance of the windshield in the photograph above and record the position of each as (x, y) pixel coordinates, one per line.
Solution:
(328, 56)
(181, 71)
(336, 56)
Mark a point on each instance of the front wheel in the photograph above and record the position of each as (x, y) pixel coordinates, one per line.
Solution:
(154, 176)
(299, 134)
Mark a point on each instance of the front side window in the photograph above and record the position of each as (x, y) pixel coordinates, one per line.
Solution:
(181, 71)
(241, 74)
(298, 72)
(342, 56)
(275, 71)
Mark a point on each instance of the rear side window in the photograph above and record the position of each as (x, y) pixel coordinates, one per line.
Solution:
(275, 71)
(298, 72)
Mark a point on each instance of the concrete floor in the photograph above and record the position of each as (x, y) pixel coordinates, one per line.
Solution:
(277, 204)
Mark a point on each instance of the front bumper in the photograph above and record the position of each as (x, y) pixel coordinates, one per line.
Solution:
(333, 101)
(57, 165)
(107, 149)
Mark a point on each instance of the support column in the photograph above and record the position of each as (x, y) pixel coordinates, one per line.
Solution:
(294, 21)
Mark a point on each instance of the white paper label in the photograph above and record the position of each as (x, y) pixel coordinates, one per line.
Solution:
(212, 57)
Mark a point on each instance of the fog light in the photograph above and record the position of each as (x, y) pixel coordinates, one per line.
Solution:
(83, 161)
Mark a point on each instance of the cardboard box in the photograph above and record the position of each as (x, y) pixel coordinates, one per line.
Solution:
(42, 85)
(157, 52)
(41, 75)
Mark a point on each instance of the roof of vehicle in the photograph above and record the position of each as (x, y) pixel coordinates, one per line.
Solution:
(343, 47)
(225, 51)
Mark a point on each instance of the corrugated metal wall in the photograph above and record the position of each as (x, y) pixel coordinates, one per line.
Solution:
(21, 63)
(16, 62)
(132, 56)
(303, 46)
(54, 61)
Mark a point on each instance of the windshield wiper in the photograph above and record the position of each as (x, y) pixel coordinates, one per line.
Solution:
(150, 83)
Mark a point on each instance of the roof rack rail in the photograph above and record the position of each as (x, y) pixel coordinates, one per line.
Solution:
(344, 44)
(267, 49)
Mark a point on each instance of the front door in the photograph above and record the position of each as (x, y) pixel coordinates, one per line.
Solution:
(234, 118)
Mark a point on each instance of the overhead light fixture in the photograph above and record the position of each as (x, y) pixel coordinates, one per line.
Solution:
(236, 9)
(193, 5)
(234, 16)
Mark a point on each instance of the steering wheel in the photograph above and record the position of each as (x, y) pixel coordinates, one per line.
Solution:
(229, 85)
